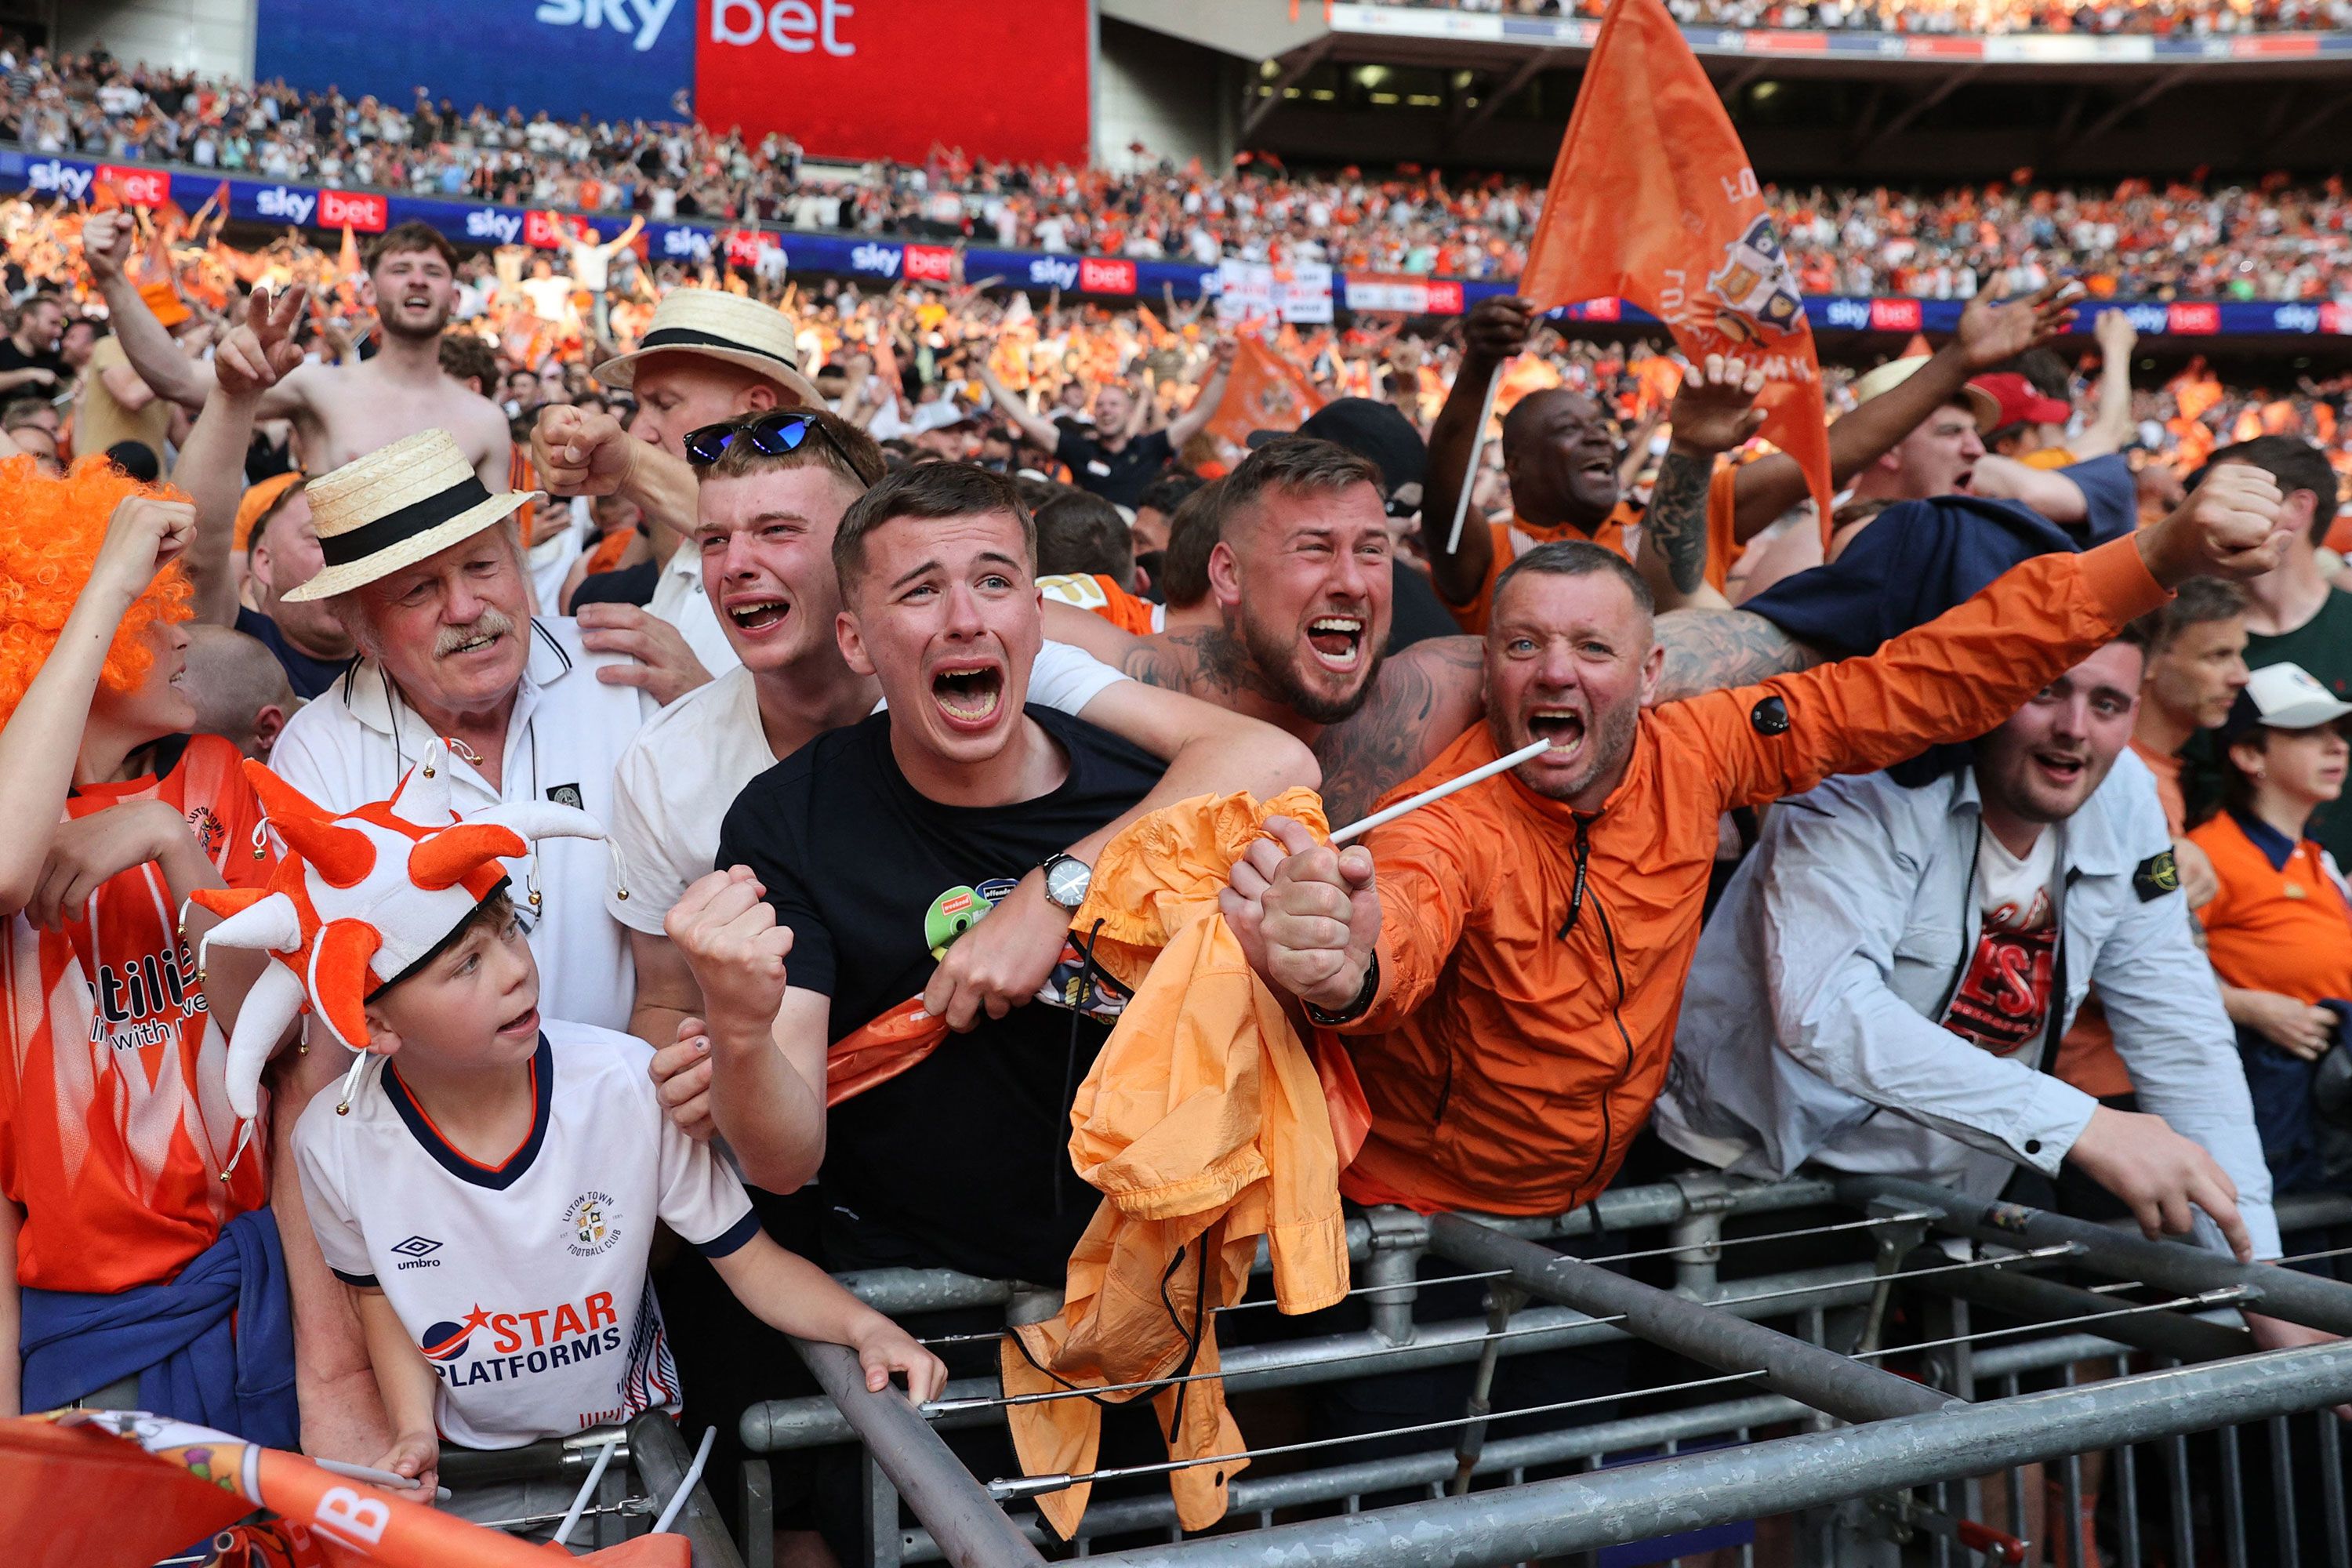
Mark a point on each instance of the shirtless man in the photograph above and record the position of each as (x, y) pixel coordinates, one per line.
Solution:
(340, 412)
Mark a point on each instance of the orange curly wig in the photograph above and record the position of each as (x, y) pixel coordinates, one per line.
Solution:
(51, 529)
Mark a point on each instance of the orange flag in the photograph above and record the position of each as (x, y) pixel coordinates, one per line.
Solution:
(1264, 391)
(1654, 201)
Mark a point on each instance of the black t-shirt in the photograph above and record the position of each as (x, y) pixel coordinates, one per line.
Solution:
(961, 1162)
(627, 586)
(308, 677)
(1120, 477)
(13, 357)
(1416, 612)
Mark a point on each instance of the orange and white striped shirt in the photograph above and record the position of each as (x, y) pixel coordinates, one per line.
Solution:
(114, 1116)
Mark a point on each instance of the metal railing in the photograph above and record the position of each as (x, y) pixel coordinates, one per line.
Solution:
(1913, 1466)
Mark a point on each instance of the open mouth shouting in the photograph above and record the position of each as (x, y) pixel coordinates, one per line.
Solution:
(1563, 726)
(2062, 770)
(756, 617)
(523, 1023)
(478, 640)
(970, 693)
(1337, 642)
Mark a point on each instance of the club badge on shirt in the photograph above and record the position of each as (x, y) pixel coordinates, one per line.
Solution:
(2157, 875)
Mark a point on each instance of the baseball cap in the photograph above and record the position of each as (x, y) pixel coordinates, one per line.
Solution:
(1895, 371)
(1370, 429)
(2282, 696)
(2018, 402)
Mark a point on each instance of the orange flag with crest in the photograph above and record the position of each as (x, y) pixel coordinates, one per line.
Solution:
(1654, 201)
(1263, 392)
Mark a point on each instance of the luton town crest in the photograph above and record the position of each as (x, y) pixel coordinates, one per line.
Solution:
(1756, 293)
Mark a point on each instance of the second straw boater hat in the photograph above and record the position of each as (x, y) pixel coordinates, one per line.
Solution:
(724, 326)
(393, 507)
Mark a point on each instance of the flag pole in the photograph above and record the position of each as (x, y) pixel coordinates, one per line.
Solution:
(1432, 795)
(1477, 450)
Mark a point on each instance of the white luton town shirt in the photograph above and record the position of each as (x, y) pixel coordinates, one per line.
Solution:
(524, 1283)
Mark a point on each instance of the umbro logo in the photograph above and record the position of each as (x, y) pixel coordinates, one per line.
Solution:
(415, 1252)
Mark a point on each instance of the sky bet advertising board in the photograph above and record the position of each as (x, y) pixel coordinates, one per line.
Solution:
(846, 78)
(325, 211)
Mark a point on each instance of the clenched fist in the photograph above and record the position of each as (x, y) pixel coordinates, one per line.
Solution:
(144, 536)
(2228, 528)
(581, 452)
(730, 940)
(106, 245)
(1307, 915)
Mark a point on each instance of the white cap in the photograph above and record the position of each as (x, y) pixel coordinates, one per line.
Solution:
(2286, 697)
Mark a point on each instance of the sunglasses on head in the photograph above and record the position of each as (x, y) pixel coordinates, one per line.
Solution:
(773, 435)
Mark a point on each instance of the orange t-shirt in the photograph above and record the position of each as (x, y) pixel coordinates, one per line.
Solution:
(1096, 592)
(2284, 929)
(114, 1118)
(1517, 537)
(2087, 1057)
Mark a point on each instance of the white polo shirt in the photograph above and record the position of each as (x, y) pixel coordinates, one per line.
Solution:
(678, 599)
(676, 780)
(524, 1282)
(352, 744)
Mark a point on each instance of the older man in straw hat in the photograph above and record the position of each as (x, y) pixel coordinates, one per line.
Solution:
(706, 358)
(425, 568)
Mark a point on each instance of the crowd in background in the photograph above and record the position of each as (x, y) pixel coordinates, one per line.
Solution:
(2271, 241)
(2192, 18)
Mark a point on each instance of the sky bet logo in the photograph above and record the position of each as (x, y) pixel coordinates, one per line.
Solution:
(642, 18)
(485, 223)
(500, 1347)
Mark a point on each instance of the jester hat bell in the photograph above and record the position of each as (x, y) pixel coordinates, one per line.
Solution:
(358, 899)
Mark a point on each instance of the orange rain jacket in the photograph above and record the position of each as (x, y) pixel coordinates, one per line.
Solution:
(1206, 1125)
(1533, 957)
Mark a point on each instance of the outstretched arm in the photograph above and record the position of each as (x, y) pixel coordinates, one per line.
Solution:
(1195, 419)
(2110, 429)
(106, 245)
(1988, 333)
(1041, 433)
(1713, 411)
(211, 468)
(1497, 329)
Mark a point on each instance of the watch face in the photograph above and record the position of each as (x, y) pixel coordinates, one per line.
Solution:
(1067, 880)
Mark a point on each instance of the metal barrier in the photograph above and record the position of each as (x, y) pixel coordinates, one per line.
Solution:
(597, 1465)
(1913, 1467)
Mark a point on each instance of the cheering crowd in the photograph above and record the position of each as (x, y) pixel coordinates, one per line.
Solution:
(569, 799)
(2271, 242)
(2166, 18)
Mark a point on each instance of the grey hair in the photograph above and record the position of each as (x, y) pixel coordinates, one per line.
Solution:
(349, 608)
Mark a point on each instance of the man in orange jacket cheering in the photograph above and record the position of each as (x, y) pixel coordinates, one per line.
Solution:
(1510, 976)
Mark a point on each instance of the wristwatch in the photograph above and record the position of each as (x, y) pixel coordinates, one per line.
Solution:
(1365, 996)
(1067, 878)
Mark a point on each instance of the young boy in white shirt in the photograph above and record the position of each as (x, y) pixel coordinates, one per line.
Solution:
(490, 1199)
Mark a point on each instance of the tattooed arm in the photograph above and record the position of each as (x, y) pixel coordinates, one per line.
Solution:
(1709, 650)
(1420, 701)
(1713, 411)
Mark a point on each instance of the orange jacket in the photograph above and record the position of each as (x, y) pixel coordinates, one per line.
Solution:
(1521, 1034)
(1205, 1124)
(1094, 592)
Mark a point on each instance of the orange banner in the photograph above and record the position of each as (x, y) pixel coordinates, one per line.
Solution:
(1654, 201)
(1263, 392)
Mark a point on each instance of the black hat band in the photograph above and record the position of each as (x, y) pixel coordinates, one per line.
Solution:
(417, 517)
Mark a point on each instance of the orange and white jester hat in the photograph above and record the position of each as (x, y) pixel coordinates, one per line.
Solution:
(358, 899)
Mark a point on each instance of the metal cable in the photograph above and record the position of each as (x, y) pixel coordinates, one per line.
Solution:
(993, 1402)
(2215, 1298)
(1035, 1485)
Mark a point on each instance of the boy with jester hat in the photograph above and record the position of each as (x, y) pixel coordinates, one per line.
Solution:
(489, 1194)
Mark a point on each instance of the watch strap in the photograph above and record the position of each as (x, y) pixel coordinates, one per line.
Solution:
(1354, 1009)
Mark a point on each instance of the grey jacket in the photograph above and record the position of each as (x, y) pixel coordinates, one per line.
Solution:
(1810, 1029)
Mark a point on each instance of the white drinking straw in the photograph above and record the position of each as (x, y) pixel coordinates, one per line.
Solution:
(1485, 771)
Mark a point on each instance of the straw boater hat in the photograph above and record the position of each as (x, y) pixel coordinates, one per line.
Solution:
(1895, 371)
(394, 507)
(724, 326)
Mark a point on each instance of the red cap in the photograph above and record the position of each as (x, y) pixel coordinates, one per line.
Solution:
(2019, 404)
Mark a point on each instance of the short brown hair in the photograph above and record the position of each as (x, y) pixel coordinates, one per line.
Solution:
(2197, 601)
(1299, 463)
(1577, 558)
(851, 453)
(406, 238)
(1193, 529)
(933, 492)
(1080, 531)
(464, 354)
